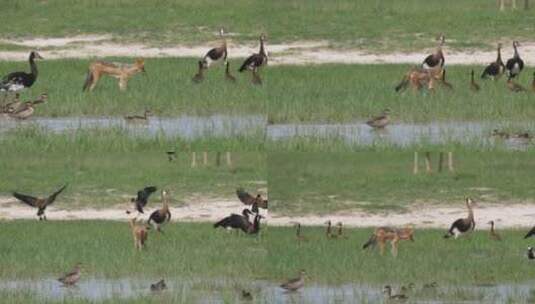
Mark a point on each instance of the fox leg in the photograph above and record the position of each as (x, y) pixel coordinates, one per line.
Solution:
(94, 80)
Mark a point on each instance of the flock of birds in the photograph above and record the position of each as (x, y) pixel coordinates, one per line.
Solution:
(156, 219)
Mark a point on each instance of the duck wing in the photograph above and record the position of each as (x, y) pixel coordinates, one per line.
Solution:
(27, 199)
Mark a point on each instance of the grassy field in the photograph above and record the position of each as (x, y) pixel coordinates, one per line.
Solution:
(101, 167)
(166, 89)
(430, 258)
(349, 93)
(302, 183)
(369, 24)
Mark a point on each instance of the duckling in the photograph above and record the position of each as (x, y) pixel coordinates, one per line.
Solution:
(199, 77)
(295, 284)
(500, 134)
(387, 291)
(379, 122)
(430, 285)
(340, 231)
(13, 105)
(139, 118)
(158, 286)
(493, 234)
(473, 85)
(405, 289)
(71, 278)
(298, 233)
(229, 76)
(513, 86)
(328, 231)
(530, 254)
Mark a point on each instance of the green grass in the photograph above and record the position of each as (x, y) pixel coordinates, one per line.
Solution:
(349, 93)
(370, 24)
(166, 89)
(102, 166)
(431, 258)
(302, 183)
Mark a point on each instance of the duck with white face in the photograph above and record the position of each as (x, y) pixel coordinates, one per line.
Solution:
(216, 54)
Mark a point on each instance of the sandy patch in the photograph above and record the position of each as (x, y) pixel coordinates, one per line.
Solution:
(297, 53)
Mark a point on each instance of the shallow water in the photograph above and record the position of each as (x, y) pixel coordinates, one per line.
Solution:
(403, 134)
(187, 127)
(225, 290)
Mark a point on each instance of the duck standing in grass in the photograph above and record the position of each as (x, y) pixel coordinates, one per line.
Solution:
(256, 60)
(39, 203)
(18, 81)
(71, 278)
(217, 53)
(161, 216)
(492, 233)
(463, 225)
(295, 284)
(380, 122)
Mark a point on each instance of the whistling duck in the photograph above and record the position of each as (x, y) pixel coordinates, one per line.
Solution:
(17, 81)
(26, 110)
(295, 284)
(171, 155)
(236, 221)
(158, 286)
(248, 199)
(387, 291)
(160, 216)
(513, 86)
(255, 78)
(436, 59)
(379, 122)
(492, 233)
(246, 295)
(139, 118)
(530, 233)
(71, 278)
(340, 231)
(199, 77)
(255, 227)
(500, 134)
(229, 76)
(142, 198)
(256, 60)
(298, 233)
(217, 53)
(430, 285)
(514, 65)
(463, 225)
(530, 254)
(39, 203)
(496, 68)
(473, 85)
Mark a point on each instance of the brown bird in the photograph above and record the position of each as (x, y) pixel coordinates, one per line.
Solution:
(37, 202)
(229, 76)
(161, 216)
(436, 59)
(139, 118)
(25, 110)
(379, 122)
(493, 234)
(199, 77)
(513, 86)
(340, 234)
(298, 235)
(473, 85)
(248, 199)
(71, 278)
(295, 284)
(216, 53)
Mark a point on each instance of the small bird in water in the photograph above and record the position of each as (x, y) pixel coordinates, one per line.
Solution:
(158, 286)
(246, 295)
(379, 122)
(71, 278)
(387, 291)
(295, 284)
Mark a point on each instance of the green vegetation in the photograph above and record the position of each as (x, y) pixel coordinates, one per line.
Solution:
(382, 25)
(473, 261)
(104, 166)
(166, 89)
(301, 183)
(351, 93)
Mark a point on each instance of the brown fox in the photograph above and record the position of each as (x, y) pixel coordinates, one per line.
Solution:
(118, 70)
(418, 77)
(383, 234)
(140, 234)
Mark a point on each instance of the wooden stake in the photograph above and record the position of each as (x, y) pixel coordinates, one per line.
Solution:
(229, 159)
(205, 158)
(415, 164)
(428, 162)
(440, 161)
(450, 161)
(193, 159)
